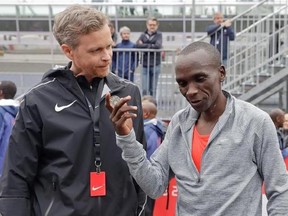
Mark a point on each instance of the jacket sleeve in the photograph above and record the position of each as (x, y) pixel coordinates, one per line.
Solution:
(272, 167)
(138, 125)
(158, 167)
(212, 28)
(231, 33)
(20, 165)
(158, 42)
(141, 45)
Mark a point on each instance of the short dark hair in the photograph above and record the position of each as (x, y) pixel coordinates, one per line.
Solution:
(208, 48)
(8, 89)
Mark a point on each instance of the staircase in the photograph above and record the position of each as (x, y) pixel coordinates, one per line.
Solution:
(257, 70)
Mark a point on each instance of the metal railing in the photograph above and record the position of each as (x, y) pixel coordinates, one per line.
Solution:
(20, 22)
(249, 56)
(167, 94)
(256, 49)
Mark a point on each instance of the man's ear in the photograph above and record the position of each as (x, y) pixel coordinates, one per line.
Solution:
(67, 50)
(222, 71)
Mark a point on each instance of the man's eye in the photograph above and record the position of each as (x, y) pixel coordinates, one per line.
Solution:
(181, 83)
(200, 79)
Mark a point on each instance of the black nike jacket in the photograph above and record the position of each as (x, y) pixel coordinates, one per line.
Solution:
(51, 153)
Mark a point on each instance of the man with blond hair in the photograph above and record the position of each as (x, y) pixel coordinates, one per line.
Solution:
(62, 157)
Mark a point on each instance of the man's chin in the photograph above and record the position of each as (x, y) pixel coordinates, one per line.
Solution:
(102, 74)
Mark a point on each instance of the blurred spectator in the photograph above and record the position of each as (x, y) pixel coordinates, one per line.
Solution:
(8, 110)
(154, 101)
(220, 34)
(151, 38)
(152, 127)
(124, 63)
(149, 98)
(274, 42)
(285, 124)
(113, 34)
(277, 116)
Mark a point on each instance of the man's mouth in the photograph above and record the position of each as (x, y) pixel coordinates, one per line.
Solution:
(195, 102)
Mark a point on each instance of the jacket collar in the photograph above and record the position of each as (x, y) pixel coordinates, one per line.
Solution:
(64, 75)
(189, 116)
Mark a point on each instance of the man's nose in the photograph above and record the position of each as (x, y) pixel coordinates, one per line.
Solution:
(192, 89)
(106, 55)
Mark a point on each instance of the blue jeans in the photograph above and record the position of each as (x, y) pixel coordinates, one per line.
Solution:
(149, 78)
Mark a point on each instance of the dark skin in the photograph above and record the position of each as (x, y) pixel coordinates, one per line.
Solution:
(121, 114)
(199, 80)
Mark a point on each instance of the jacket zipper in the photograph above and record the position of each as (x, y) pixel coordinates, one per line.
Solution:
(54, 188)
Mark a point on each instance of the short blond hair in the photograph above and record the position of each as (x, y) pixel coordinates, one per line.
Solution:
(77, 20)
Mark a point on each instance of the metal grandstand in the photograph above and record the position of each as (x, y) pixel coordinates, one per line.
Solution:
(253, 74)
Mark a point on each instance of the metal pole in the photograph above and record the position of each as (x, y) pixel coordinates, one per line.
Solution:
(193, 21)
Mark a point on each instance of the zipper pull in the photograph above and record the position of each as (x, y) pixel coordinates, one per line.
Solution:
(54, 182)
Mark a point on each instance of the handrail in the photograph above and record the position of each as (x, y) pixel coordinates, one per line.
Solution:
(248, 72)
(236, 17)
(261, 20)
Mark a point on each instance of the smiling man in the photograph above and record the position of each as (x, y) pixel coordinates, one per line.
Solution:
(62, 157)
(220, 149)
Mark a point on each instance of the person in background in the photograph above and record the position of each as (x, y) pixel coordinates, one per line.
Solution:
(152, 127)
(151, 38)
(154, 135)
(113, 34)
(125, 62)
(278, 116)
(221, 32)
(274, 42)
(219, 148)
(8, 110)
(154, 101)
(62, 157)
(285, 123)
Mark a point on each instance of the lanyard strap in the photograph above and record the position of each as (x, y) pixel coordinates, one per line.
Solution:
(95, 115)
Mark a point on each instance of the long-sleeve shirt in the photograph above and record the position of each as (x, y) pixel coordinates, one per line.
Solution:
(242, 152)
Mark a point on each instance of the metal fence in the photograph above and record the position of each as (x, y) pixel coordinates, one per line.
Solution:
(167, 94)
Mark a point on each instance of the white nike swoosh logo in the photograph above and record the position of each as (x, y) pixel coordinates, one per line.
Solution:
(96, 188)
(60, 108)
